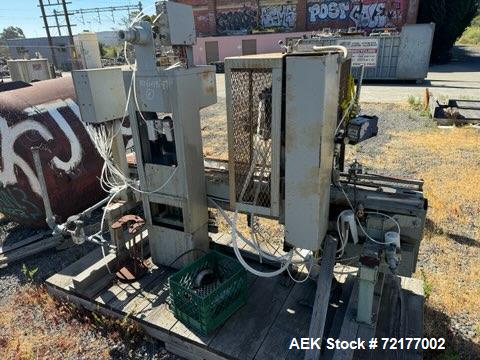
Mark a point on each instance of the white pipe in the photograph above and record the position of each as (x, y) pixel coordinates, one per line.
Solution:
(332, 48)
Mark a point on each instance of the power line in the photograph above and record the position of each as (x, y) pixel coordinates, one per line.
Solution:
(63, 3)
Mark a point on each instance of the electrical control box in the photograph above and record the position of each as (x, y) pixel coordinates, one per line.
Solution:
(100, 94)
(362, 128)
(176, 24)
(29, 70)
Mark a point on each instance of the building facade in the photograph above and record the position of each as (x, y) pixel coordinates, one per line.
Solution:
(228, 17)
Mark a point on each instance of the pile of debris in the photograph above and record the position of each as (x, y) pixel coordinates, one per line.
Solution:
(455, 111)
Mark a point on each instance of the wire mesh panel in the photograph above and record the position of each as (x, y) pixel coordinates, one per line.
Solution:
(251, 102)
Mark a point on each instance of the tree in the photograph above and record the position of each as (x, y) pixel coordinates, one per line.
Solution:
(451, 17)
(11, 32)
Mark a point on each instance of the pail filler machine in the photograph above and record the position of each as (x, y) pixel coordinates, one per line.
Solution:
(288, 118)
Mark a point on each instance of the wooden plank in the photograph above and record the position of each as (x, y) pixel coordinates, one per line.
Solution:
(349, 326)
(106, 266)
(243, 334)
(131, 290)
(9, 247)
(336, 327)
(412, 316)
(290, 323)
(98, 286)
(322, 296)
(392, 311)
(63, 279)
(29, 250)
(153, 292)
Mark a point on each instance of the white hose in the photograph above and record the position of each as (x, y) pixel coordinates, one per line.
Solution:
(343, 241)
(248, 267)
(234, 228)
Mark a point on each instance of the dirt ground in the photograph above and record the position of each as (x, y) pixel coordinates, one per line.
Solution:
(33, 325)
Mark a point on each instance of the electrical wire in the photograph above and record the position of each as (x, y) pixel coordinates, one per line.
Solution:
(370, 212)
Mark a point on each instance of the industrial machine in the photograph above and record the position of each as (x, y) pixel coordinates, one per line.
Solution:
(29, 70)
(289, 118)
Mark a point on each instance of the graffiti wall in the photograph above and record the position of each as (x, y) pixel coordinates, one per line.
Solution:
(278, 16)
(228, 17)
(237, 21)
(366, 14)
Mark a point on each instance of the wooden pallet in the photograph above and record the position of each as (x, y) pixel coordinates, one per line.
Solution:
(277, 311)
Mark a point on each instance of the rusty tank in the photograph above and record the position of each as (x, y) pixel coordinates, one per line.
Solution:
(45, 115)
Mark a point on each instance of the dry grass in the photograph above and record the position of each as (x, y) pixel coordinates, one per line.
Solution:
(38, 327)
(449, 162)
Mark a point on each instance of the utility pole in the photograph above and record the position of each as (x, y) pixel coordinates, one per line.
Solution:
(49, 36)
(66, 14)
(70, 35)
(57, 14)
(58, 24)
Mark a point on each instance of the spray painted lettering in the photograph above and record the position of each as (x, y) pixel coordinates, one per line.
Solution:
(279, 16)
(237, 22)
(10, 134)
(373, 15)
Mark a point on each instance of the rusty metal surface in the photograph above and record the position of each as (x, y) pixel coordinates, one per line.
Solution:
(132, 223)
(45, 115)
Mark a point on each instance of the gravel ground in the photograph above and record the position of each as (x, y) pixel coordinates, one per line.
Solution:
(411, 145)
(13, 280)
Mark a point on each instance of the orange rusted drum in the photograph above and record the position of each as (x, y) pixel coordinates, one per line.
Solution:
(45, 115)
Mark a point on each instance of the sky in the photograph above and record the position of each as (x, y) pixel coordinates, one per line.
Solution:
(26, 15)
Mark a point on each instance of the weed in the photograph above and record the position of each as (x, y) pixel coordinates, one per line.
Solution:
(417, 104)
(427, 286)
(29, 273)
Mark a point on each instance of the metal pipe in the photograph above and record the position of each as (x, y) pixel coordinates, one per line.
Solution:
(88, 211)
(43, 187)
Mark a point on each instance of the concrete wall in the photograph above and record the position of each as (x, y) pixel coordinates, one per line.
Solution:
(232, 45)
(228, 17)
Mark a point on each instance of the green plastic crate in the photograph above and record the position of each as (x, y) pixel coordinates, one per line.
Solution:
(206, 308)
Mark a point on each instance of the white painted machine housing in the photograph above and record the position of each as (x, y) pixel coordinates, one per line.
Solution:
(100, 94)
(29, 70)
(305, 93)
(311, 108)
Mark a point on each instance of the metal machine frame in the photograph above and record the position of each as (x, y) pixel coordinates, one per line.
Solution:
(285, 125)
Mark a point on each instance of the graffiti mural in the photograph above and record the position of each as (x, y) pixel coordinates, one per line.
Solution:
(279, 16)
(241, 21)
(9, 136)
(366, 15)
(45, 116)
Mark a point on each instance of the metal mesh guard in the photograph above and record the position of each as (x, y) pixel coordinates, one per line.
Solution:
(252, 127)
